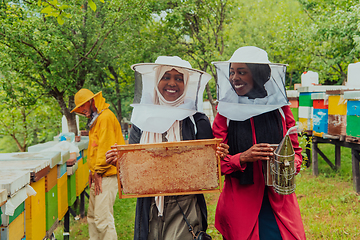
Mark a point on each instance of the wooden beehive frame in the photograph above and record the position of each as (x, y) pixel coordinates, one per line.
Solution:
(122, 149)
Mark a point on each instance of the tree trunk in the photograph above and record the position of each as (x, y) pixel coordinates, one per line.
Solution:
(21, 148)
(117, 90)
(70, 117)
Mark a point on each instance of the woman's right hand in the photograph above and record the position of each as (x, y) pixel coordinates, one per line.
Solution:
(260, 151)
(111, 156)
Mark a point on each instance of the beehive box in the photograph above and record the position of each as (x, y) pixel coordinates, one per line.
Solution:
(13, 181)
(80, 186)
(35, 212)
(50, 146)
(320, 113)
(16, 230)
(19, 210)
(17, 227)
(336, 113)
(51, 179)
(293, 97)
(51, 203)
(305, 118)
(62, 196)
(71, 186)
(14, 201)
(172, 168)
(37, 168)
(353, 113)
(53, 157)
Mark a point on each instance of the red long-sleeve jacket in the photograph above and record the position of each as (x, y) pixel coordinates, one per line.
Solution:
(238, 207)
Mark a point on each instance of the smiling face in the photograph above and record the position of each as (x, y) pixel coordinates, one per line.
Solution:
(171, 85)
(241, 78)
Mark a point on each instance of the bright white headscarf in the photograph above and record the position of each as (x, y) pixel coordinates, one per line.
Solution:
(173, 133)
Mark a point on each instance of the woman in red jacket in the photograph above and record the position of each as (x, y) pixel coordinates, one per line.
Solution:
(253, 113)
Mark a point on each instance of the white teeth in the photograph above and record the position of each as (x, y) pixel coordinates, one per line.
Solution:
(171, 91)
(239, 86)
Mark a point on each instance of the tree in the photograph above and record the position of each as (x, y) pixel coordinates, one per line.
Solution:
(197, 29)
(335, 37)
(60, 59)
(27, 117)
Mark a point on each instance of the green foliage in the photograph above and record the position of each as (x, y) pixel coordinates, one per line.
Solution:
(334, 38)
(27, 117)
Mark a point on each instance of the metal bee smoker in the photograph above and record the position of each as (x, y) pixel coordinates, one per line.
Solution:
(268, 175)
(283, 167)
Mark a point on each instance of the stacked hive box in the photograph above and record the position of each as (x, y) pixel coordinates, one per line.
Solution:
(48, 184)
(293, 96)
(353, 114)
(13, 193)
(305, 109)
(306, 103)
(61, 176)
(320, 114)
(337, 113)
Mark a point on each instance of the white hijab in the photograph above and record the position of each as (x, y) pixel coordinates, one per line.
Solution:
(173, 133)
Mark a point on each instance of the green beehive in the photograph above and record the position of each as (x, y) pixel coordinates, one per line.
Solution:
(295, 112)
(71, 189)
(305, 99)
(352, 126)
(51, 205)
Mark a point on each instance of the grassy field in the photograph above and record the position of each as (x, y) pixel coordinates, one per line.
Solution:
(329, 206)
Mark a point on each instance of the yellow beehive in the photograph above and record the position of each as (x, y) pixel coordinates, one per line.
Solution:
(337, 105)
(86, 175)
(35, 212)
(305, 124)
(17, 228)
(62, 196)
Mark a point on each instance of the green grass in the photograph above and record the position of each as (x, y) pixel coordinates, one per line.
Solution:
(329, 206)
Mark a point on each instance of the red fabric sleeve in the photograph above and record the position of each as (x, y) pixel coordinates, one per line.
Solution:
(290, 122)
(231, 163)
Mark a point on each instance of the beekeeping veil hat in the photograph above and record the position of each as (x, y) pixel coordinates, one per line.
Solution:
(268, 92)
(152, 114)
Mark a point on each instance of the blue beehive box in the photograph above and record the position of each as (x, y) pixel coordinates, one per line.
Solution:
(320, 120)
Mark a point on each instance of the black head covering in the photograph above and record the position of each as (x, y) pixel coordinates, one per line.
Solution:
(261, 74)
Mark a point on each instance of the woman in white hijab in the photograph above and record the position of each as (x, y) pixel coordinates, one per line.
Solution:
(169, 110)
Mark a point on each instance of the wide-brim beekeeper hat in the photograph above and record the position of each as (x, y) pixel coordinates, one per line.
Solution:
(82, 96)
(158, 118)
(240, 108)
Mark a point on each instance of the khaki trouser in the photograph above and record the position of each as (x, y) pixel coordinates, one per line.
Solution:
(100, 212)
(172, 225)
